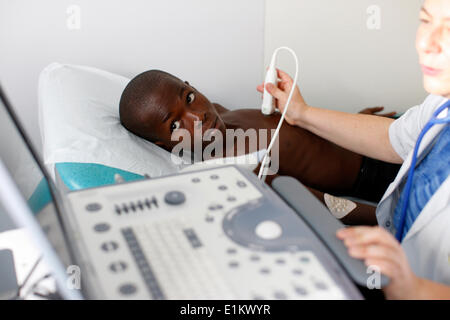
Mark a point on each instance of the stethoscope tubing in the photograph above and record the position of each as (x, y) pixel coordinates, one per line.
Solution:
(433, 121)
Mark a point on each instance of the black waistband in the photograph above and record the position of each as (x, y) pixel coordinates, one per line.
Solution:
(373, 179)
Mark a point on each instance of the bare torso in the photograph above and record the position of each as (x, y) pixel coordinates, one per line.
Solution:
(314, 161)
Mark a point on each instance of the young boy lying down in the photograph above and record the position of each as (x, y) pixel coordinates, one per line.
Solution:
(155, 105)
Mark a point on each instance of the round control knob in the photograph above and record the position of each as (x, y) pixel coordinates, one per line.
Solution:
(174, 198)
(268, 230)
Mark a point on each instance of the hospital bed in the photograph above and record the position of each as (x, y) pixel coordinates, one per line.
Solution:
(86, 147)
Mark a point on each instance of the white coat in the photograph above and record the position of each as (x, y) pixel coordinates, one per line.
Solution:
(427, 243)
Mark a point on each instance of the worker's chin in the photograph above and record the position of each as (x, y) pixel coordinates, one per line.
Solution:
(437, 86)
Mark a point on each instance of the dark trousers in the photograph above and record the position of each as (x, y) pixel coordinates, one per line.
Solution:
(373, 179)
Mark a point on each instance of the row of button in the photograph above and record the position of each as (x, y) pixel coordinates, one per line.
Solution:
(265, 270)
(171, 198)
(303, 259)
(117, 266)
(239, 183)
(136, 206)
(299, 290)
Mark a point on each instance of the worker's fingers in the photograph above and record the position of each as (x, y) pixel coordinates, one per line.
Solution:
(274, 91)
(375, 252)
(281, 85)
(384, 266)
(285, 86)
(284, 76)
(366, 236)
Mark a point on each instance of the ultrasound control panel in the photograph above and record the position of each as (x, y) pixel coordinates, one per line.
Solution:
(212, 234)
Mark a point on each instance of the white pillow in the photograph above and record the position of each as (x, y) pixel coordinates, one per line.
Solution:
(247, 161)
(79, 122)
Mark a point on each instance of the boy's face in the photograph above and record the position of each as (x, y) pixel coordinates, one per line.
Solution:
(180, 106)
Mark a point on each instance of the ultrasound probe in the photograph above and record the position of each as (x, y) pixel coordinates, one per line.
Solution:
(268, 105)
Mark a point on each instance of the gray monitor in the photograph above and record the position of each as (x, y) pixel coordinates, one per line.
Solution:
(29, 197)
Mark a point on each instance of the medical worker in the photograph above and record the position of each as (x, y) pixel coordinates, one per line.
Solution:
(411, 245)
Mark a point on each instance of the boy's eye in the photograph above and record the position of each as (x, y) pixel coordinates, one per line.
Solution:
(190, 98)
(174, 126)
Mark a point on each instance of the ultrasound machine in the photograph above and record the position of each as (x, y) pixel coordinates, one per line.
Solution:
(218, 233)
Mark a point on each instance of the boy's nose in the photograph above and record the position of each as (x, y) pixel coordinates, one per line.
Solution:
(196, 115)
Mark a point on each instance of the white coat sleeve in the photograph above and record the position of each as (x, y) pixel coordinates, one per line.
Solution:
(403, 132)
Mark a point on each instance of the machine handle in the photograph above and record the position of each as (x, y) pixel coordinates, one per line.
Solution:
(316, 215)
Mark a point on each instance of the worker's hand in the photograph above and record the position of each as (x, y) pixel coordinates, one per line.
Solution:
(281, 94)
(379, 248)
(375, 111)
